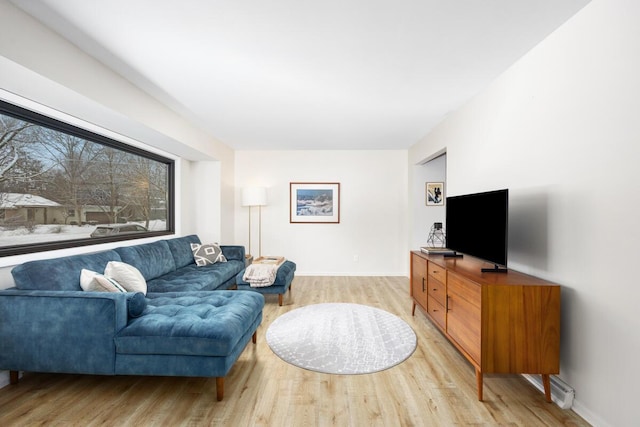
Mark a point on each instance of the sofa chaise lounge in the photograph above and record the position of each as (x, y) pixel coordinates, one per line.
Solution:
(180, 328)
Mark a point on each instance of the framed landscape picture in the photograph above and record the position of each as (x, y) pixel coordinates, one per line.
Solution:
(434, 193)
(314, 202)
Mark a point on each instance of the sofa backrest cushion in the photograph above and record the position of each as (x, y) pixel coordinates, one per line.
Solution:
(60, 274)
(152, 259)
(181, 249)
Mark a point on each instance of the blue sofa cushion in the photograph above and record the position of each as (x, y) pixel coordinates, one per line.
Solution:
(233, 252)
(193, 323)
(194, 278)
(152, 259)
(136, 303)
(60, 274)
(180, 248)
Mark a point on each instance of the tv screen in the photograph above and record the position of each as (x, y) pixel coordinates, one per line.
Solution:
(477, 224)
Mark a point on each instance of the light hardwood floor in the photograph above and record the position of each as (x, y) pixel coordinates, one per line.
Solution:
(434, 387)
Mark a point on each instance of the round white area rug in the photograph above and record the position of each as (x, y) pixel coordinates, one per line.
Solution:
(341, 338)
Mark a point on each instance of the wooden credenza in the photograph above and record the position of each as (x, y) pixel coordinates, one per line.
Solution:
(507, 323)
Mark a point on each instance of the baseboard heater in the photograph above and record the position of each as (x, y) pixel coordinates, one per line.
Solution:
(561, 393)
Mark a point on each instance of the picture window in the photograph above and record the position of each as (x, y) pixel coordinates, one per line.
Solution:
(59, 184)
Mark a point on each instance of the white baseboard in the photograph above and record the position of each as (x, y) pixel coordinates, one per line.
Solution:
(352, 274)
(589, 416)
(561, 393)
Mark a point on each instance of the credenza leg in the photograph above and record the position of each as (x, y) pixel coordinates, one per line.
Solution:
(546, 381)
(413, 309)
(479, 383)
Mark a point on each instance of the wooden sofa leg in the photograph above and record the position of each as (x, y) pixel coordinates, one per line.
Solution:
(280, 300)
(254, 338)
(219, 388)
(14, 377)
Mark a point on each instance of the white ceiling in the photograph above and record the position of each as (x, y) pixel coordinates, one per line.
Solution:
(299, 74)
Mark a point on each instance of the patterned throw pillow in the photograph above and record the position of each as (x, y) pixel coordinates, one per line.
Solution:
(207, 254)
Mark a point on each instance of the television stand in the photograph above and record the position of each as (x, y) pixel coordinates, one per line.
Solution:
(501, 323)
(496, 269)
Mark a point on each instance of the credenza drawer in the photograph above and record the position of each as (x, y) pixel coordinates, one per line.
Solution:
(437, 272)
(438, 313)
(437, 290)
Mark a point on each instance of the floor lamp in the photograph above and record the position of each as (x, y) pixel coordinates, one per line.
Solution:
(255, 196)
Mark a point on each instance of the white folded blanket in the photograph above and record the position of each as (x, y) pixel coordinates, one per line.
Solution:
(261, 275)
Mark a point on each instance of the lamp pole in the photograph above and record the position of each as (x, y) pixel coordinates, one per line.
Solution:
(256, 196)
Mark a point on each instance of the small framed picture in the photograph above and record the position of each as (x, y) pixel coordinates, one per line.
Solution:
(314, 202)
(434, 193)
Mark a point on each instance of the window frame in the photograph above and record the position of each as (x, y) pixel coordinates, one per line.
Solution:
(39, 119)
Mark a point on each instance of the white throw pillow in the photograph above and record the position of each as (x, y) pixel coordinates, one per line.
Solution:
(96, 282)
(127, 275)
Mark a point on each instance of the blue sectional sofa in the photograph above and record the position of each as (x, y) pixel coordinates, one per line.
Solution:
(180, 328)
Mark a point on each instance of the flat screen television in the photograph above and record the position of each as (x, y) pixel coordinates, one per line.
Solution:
(477, 225)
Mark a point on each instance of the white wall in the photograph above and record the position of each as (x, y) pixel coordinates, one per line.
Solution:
(42, 68)
(561, 130)
(43, 72)
(373, 210)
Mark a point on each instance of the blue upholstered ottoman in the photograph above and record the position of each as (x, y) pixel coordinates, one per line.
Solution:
(196, 334)
(280, 286)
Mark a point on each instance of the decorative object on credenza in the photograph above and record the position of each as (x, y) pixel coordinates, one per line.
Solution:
(255, 196)
(434, 193)
(428, 250)
(437, 238)
(314, 202)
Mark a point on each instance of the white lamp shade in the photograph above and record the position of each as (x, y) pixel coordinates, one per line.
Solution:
(254, 196)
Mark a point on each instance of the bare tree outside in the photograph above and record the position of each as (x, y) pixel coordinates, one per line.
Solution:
(108, 182)
(15, 136)
(147, 196)
(61, 185)
(72, 159)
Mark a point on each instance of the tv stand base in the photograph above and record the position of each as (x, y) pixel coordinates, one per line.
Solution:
(453, 255)
(495, 269)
